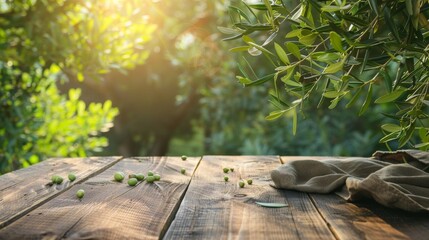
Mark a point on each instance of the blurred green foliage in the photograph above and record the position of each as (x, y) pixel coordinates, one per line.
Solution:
(160, 100)
(43, 42)
(69, 67)
(50, 124)
(238, 126)
(233, 118)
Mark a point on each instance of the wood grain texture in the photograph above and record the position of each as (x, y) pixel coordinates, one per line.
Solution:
(109, 209)
(348, 220)
(413, 225)
(215, 209)
(25, 189)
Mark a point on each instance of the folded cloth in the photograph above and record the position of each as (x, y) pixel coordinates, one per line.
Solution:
(394, 179)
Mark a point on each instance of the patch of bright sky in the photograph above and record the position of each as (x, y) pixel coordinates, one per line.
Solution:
(185, 41)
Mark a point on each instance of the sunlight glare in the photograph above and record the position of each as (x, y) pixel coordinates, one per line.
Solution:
(185, 41)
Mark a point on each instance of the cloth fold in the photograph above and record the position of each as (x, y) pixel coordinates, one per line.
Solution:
(394, 179)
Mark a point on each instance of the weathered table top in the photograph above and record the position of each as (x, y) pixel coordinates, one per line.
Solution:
(197, 205)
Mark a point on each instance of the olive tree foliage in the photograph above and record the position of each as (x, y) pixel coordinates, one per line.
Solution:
(234, 123)
(238, 126)
(233, 119)
(344, 52)
(45, 42)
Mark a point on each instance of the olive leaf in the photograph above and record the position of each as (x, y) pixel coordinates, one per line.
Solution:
(281, 53)
(367, 101)
(293, 48)
(336, 41)
(390, 96)
(274, 115)
(335, 67)
(272, 205)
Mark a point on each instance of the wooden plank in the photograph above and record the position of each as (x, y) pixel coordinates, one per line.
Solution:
(348, 220)
(109, 209)
(23, 190)
(215, 209)
(413, 225)
(352, 221)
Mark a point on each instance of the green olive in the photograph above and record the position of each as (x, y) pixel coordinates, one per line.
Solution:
(225, 170)
(249, 181)
(54, 179)
(183, 171)
(140, 176)
(184, 157)
(150, 179)
(157, 177)
(150, 173)
(132, 181)
(80, 193)
(226, 178)
(57, 179)
(241, 184)
(72, 177)
(132, 176)
(119, 176)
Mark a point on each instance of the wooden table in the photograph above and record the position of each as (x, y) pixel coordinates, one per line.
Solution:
(195, 205)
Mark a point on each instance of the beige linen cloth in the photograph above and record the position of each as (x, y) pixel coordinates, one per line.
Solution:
(395, 179)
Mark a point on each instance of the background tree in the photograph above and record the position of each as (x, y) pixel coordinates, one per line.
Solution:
(160, 100)
(343, 50)
(67, 67)
(181, 100)
(44, 42)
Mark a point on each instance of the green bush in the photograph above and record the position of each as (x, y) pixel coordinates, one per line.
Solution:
(46, 42)
(47, 124)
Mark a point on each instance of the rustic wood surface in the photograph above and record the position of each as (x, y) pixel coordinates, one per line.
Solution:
(109, 209)
(413, 225)
(351, 221)
(215, 209)
(25, 189)
(197, 205)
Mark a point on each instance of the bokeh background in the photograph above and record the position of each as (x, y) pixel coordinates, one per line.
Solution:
(152, 77)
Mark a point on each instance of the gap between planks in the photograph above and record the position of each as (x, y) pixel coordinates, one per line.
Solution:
(23, 212)
(331, 228)
(178, 203)
(103, 213)
(347, 220)
(214, 209)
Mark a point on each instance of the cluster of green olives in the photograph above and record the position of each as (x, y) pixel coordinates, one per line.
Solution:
(56, 179)
(133, 179)
(241, 183)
